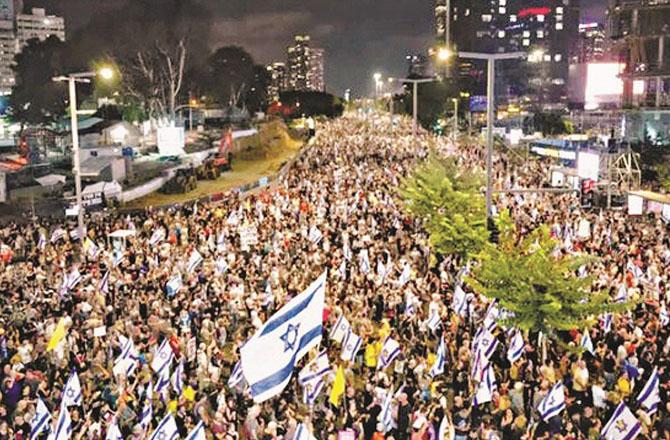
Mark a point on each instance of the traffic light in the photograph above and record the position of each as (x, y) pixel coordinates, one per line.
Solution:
(494, 232)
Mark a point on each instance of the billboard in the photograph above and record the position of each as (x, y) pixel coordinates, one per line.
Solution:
(170, 141)
(603, 85)
(478, 104)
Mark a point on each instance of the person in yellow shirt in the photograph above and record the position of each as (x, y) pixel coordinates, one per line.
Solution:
(372, 350)
(623, 385)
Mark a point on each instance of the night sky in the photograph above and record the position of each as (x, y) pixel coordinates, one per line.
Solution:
(360, 36)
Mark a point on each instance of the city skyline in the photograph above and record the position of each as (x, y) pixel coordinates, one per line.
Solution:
(349, 31)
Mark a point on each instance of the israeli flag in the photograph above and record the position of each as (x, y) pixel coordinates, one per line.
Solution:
(104, 283)
(317, 368)
(390, 351)
(440, 359)
(459, 302)
(73, 279)
(486, 388)
(147, 410)
(177, 379)
(41, 421)
(340, 330)
(72, 391)
(386, 415)
(311, 391)
(42, 242)
(622, 294)
(485, 342)
(126, 362)
(63, 425)
(607, 323)
(516, 346)
(479, 365)
(664, 316)
(434, 322)
(649, 397)
(162, 357)
(194, 261)
(315, 235)
(350, 347)
(410, 304)
(236, 376)
(113, 432)
(166, 429)
(285, 338)
(364, 262)
(553, 403)
(57, 235)
(587, 344)
(622, 425)
(198, 433)
(220, 242)
(302, 433)
(164, 380)
(174, 285)
(221, 265)
(492, 316)
(157, 236)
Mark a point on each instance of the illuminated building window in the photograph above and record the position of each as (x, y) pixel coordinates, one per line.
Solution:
(526, 42)
(559, 10)
(540, 18)
(502, 10)
(540, 33)
(486, 18)
(501, 34)
(547, 57)
(558, 57)
(526, 34)
(512, 18)
(467, 12)
(559, 26)
(502, 2)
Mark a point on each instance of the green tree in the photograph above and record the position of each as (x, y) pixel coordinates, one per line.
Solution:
(230, 75)
(541, 289)
(447, 197)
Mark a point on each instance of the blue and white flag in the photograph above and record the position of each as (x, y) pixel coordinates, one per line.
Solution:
(364, 262)
(198, 433)
(163, 382)
(340, 330)
(440, 359)
(42, 242)
(113, 432)
(221, 265)
(492, 316)
(194, 261)
(147, 410)
(236, 376)
(485, 342)
(386, 415)
(622, 294)
(664, 316)
(553, 403)
(587, 344)
(649, 397)
(285, 338)
(459, 303)
(315, 369)
(162, 356)
(302, 433)
(178, 379)
(104, 283)
(315, 235)
(63, 425)
(157, 236)
(607, 323)
(72, 391)
(434, 321)
(410, 304)
(622, 425)
(350, 347)
(126, 362)
(73, 278)
(390, 351)
(174, 285)
(41, 422)
(166, 429)
(57, 235)
(311, 391)
(486, 387)
(516, 346)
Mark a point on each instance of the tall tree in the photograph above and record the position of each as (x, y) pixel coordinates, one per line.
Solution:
(230, 75)
(36, 98)
(447, 196)
(537, 284)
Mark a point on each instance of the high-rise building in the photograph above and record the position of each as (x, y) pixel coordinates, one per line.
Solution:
(298, 64)
(316, 78)
(277, 80)
(8, 49)
(547, 30)
(638, 30)
(38, 25)
(592, 44)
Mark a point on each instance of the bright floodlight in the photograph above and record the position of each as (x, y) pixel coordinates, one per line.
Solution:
(443, 54)
(377, 76)
(106, 73)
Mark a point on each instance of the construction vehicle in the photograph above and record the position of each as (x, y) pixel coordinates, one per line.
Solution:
(209, 170)
(184, 180)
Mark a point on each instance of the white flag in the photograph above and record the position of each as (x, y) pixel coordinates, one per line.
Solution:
(622, 425)
(553, 403)
(351, 345)
(390, 350)
(113, 432)
(302, 433)
(405, 275)
(364, 262)
(72, 391)
(157, 237)
(41, 421)
(174, 285)
(285, 338)
(166, 429)
(315, 235)
(340, 330)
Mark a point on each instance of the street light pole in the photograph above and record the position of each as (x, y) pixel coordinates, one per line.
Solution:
(491, 58)
(415, 98)
(455, 100)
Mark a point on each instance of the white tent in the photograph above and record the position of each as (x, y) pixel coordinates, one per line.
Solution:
(109, 189)
(51, 180)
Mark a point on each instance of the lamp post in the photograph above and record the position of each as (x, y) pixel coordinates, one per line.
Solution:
(415, 97)
(491, 59)
(377, 77)
(72, 79)
(455, 130)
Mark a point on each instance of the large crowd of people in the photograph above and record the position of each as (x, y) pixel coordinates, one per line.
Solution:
(73, 306)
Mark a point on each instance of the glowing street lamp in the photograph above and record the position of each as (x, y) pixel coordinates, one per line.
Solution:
(443, 54)
(106, 73)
